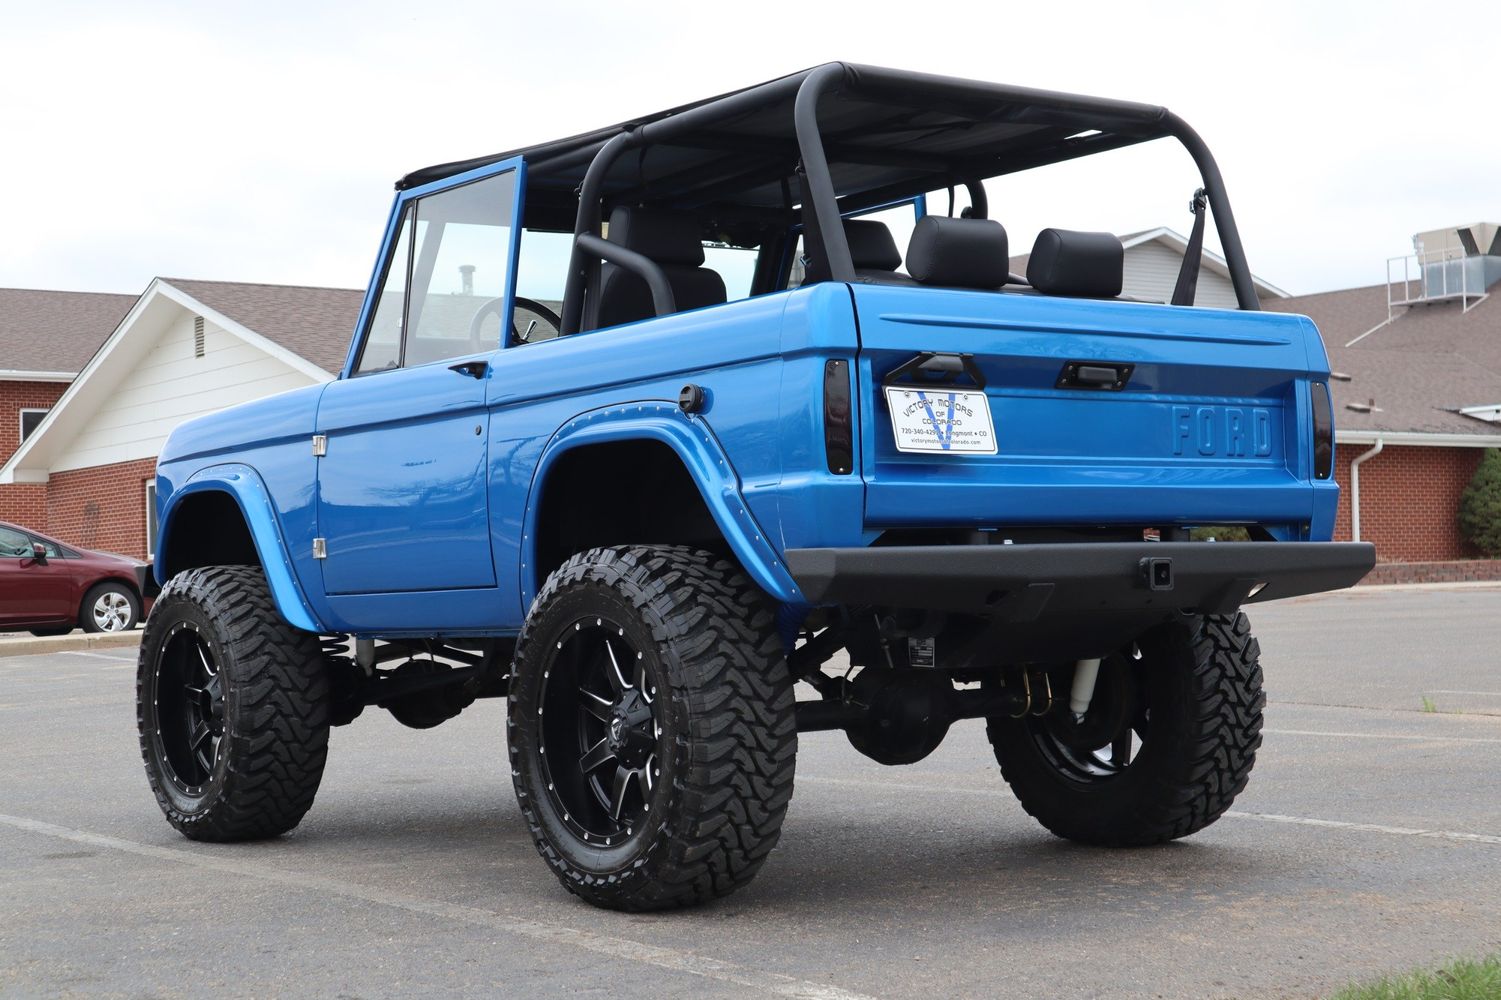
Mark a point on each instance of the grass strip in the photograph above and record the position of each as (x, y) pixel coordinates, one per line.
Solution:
(1461, 979)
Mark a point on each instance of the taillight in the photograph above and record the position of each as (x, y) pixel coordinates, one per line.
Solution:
(1323, 431)
(838, 427)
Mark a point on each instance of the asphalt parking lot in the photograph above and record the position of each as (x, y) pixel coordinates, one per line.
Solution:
(1369, 840)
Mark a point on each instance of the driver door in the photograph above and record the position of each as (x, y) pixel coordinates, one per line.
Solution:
(31, 591)
(402, 488)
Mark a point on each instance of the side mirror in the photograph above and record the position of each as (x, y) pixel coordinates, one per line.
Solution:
(39, 553)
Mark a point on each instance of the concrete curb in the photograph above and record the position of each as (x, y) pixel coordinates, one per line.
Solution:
(1436, 585)
(35, 645)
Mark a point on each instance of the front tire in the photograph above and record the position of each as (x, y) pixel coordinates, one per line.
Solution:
(651, 727)
(110, 607)
(232, 707)
(1167, 745)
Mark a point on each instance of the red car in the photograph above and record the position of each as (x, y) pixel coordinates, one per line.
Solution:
(49, 588)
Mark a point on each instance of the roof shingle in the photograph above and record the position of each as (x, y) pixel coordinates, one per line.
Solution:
(1419, 368)
(314, 323)
(45, 331)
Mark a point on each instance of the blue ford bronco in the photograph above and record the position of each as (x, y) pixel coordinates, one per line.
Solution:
(646, 428)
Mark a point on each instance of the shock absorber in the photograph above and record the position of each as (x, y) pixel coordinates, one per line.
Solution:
(1086, 672)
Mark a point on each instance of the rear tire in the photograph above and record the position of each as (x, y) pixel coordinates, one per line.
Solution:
(1193, 700)
(651, 727)
(232, 704)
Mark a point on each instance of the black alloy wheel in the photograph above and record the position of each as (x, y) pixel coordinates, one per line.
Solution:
(232, 706)
(651, 726)
(189, 696)
(1167, 744)
(1110, 735)
(601, 737)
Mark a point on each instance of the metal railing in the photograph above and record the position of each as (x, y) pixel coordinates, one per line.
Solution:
(1435, 276)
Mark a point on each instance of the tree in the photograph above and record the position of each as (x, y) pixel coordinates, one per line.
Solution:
(1480, 506)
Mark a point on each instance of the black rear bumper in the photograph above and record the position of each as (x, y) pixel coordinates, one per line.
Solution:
(1022, 583)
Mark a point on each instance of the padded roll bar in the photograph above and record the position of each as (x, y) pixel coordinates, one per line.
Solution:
(917, 90)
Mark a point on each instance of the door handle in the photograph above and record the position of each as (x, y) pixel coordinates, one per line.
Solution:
(474, 369)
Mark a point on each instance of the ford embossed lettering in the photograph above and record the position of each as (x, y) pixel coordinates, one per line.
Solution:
(1234, 431)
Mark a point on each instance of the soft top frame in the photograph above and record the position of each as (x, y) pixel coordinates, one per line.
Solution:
(853, 136)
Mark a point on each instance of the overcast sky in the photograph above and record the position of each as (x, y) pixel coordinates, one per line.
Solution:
(259, 141)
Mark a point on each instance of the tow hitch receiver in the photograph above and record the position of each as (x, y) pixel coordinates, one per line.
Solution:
(1158, 573)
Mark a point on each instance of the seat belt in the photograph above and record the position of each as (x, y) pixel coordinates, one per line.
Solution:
(1188, 274)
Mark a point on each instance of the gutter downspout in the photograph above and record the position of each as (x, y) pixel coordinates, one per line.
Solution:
(1355, 487)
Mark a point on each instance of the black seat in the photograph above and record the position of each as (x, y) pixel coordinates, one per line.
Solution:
(1083, 265)
(959, 253)
(874, 253)
(671, 239)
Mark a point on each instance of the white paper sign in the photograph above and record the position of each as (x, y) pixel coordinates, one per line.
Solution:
(939, 420)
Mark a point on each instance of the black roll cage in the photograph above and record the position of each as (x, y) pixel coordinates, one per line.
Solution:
(1102, 124)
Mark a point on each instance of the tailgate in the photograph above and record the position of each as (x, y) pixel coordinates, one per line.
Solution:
(1208, 427)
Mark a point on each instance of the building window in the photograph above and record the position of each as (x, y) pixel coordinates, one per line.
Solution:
(197, 336)
(30, 421)
(151, 519)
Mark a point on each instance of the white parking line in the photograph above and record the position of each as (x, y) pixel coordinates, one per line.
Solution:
(62, 703)
(765, 983)
(1469, 838)
(1419, 737)
(97, 656)
(1489, 694)
(1400, 831)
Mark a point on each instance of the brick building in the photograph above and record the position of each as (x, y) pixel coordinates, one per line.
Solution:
(84, 472)
(1417, 393)
(46, 338)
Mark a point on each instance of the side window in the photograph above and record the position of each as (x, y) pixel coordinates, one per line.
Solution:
(736, 265)
(541, 271)
(31, 419)
(444, 290)
(383, 344)
(13, 544)
(462, 252)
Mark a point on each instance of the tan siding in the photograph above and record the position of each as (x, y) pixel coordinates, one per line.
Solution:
(1151, 272)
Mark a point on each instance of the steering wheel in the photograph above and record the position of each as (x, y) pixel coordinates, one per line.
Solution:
(476, 342)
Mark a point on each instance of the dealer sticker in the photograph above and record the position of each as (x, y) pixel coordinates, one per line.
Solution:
(941, 420)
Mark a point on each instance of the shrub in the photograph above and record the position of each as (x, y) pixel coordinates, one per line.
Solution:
(1220, 533)
(1480, 506)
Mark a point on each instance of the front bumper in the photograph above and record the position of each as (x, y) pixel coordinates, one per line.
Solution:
(1029, 583)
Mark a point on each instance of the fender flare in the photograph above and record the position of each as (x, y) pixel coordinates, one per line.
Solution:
(696, 447)
(245, 486)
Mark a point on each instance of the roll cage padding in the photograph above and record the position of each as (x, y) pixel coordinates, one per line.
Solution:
(826, 242)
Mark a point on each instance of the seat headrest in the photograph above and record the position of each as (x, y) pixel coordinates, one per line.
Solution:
(959, 253)
(666, 237)
(1067, 262)
(871, 245)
